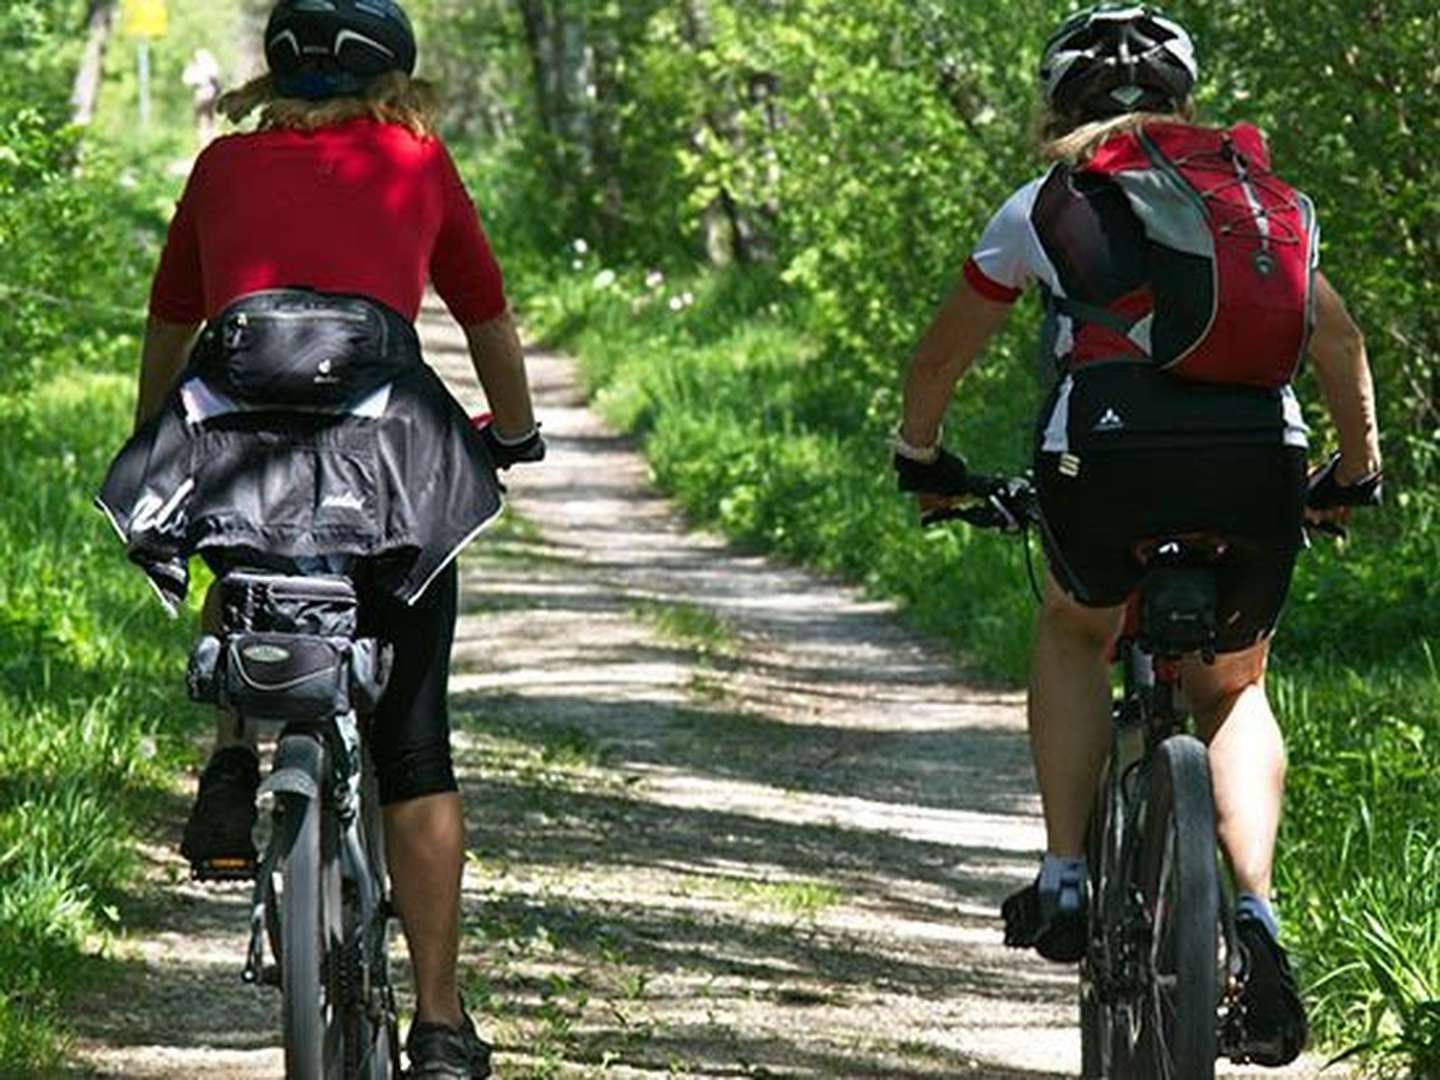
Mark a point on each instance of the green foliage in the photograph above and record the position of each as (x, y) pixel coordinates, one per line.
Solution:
(858, 152)
(841, 159)
(90, 725)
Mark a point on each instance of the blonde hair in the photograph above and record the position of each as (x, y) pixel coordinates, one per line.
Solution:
(1063, 138)
(393, 98)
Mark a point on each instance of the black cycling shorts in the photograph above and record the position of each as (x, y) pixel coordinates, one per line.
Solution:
(1252, 495)
(410, 731)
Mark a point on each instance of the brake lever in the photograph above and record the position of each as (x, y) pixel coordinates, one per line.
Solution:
(1329, 528)
(991, 514)
(942, 514)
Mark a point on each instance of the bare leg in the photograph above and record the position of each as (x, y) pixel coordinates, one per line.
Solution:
(1069, 710)
(425, 847)
(1247, 760)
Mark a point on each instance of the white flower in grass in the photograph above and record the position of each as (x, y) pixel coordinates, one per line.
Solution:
(581, 247)
(603, 280)
(654, 279)
(686, 299)
(677, 303)
(577, 264)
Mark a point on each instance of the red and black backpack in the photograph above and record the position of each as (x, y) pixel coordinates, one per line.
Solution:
(1231, 255)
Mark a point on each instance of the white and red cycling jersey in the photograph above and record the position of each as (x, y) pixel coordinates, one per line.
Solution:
(1075, 236)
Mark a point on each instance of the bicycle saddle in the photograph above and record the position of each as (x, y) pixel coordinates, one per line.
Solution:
(1177, 597)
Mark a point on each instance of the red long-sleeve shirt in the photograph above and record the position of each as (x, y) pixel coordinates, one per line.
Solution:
(361, 207)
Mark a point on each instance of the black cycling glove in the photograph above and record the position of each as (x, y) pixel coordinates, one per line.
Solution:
(946, 475)
(1325, 492)
(525, 450)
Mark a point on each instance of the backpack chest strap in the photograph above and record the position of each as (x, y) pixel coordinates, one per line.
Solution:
(1094, 313)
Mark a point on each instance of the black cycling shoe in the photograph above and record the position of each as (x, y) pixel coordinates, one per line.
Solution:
(439, 1051)
(218, 839)
(1274, 1016)
(1056, 930)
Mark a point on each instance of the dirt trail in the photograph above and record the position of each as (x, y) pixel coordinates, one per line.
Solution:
(726, 819)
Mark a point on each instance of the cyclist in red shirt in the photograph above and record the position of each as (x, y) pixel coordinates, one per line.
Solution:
(345, 188)
(1125, 451)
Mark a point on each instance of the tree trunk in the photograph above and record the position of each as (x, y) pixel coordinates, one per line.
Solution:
(555, 33)
(731, 231)
(571, 59)
(86, 94)
(536, 20)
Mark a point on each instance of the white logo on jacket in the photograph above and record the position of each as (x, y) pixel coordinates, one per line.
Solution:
(154, 513)
(345, 500)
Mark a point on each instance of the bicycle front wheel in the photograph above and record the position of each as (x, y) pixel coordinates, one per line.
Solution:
(309, 938)
(371, 1036)
(1179, 886)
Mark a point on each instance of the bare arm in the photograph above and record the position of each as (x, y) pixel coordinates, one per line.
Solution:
(500, 366)
(1337, 349)
(957, 334)
(167, 347)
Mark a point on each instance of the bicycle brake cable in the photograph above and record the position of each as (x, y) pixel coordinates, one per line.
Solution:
(1030, 564)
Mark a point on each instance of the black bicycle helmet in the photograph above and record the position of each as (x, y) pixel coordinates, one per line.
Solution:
(325, 48)
(1117, 58)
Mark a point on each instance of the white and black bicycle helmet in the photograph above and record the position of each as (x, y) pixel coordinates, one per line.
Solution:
(325, 48)
(1117, 58)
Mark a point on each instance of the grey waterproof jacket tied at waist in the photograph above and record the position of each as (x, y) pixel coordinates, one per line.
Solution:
(398, 477)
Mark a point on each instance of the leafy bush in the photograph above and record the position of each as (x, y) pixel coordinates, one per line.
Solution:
(89, 728)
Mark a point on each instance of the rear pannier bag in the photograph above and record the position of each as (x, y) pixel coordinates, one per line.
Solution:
(286, 676)
(289, 650)
(1231, 254)
(298, 348)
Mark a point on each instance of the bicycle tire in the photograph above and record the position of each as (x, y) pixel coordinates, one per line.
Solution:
(309, 912)
(1178, 881)
(370, 1028)
(1106, 1039)
(1094, 1027)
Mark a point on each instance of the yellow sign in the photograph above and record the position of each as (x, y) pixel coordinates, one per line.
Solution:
(145, 18)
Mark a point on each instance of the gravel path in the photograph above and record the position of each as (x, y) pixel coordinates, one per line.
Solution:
(727, 819)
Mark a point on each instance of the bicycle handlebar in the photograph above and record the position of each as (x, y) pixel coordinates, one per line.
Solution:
(1009, 504)
(1006, 503)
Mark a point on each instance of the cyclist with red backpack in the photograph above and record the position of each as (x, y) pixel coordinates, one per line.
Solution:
(1180, 283)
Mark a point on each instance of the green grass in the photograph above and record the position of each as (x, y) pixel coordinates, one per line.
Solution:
(755, 430)
(689, 625)
(803, 900)
(91, 705)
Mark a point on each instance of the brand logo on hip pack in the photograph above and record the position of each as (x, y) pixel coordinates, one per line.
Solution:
(265, 654)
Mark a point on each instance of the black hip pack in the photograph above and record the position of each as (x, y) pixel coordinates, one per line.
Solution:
(300, 348)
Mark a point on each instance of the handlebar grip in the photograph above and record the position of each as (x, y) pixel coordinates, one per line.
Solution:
(1325, 492)
(991, 502)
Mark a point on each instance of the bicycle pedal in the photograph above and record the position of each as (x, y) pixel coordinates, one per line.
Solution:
(222, 870)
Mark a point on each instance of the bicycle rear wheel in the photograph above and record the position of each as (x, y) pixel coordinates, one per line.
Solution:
(309, 918)
(1179, 885)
